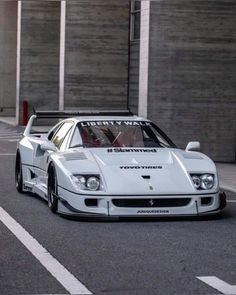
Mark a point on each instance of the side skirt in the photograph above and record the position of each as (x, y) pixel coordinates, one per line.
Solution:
(40, 190)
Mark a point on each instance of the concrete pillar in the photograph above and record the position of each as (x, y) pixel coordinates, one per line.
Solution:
(144, 59)
(8, 37)
(192, 73)
(39, 54)
(96, 54)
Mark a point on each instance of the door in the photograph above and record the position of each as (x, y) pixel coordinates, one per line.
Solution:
(41, 159)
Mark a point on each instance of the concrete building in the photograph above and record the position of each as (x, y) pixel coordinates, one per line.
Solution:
(172, 61)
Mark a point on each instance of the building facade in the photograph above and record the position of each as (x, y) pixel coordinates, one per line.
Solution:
(171, 61)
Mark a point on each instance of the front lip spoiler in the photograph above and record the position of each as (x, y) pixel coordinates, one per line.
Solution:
(75, 213)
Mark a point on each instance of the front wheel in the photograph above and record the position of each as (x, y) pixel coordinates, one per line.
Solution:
(52, 190)
(18, 174)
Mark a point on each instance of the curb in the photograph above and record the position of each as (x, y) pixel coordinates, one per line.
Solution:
(7, 121)
(228, 188)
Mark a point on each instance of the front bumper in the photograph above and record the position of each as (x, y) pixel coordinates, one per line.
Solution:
(72, 204)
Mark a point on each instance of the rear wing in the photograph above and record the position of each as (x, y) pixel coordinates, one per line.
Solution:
(29, 125)
(68, 114)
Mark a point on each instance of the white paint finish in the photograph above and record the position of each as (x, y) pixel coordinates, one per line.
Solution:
(173, 181)
(144, 58)
(219, 285)
(62, 55)
(57, 270)
(17, 121)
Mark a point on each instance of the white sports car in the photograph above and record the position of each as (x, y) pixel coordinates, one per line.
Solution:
(114, 164)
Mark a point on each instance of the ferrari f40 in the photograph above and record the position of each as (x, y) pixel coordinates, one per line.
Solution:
(114, 164)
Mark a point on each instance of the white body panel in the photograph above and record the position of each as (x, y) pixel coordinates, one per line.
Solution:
(159, 175)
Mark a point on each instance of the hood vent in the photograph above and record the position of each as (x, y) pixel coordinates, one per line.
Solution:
(191, 156)
(75, 156)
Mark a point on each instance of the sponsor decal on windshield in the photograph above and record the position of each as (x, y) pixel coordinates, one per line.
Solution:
(131, 150)
(112, 123)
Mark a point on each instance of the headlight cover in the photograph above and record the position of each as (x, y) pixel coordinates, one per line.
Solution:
(87, 182)
(205, 181)
(93, 183)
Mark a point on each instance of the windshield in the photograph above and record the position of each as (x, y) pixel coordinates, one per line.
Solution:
(120, 134)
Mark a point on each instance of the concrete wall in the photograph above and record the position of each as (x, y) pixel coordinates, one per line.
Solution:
(96, 64)
(192, 73)
(8, 40)
(40, 40)
(134, 76)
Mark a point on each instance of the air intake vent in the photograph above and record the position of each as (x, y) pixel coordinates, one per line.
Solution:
(206, 201)
(151, 203)
(91, 202)
(75, 156)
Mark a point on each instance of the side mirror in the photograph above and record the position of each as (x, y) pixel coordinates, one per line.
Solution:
(193, 145)
(48, 146)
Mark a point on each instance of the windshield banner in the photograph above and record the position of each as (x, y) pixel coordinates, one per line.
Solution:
(112, 123)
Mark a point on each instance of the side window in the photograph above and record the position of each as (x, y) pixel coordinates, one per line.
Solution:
(65, 141)
(52, 133)
(61, 134)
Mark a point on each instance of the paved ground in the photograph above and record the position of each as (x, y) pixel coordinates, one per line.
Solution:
(9, 133)
(8, 120)
(127, 257)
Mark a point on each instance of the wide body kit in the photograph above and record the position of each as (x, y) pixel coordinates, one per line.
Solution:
(132, 181)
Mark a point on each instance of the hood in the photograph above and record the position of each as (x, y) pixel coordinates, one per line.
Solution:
(141, 171)
(150, 171)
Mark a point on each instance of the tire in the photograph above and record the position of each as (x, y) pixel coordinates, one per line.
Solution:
(52, 190)
(18, 174)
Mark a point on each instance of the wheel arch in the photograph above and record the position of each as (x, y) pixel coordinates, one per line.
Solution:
(61, 173)
(26, 150)
(18, 154)
(17, 151)
(52, 188)
(51, 167)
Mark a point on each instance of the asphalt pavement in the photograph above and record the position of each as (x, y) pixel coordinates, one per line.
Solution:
(163, 256)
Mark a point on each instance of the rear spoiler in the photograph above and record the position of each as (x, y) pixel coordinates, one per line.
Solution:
(68, 114)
